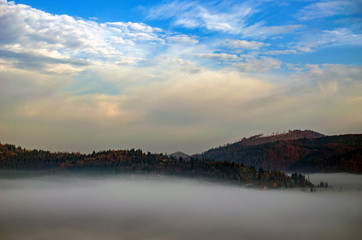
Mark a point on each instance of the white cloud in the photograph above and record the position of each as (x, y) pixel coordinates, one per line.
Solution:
(182, 39)
(101, 107)
(280, 52)
(29, 59)
(218, 56)
(329, 8)
(221, 17)
(27, 33)
(136, 27)
(310, 42)
(340, 36)
(335, 73)
(330, 81)
(244, 44)
(329, 38)
(262, 64)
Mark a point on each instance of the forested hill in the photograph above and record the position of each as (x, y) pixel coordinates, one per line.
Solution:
(304, 151)
(136, 161)
(291, 135)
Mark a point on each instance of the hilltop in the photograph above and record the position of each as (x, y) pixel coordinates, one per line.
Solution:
(296, 150)
(290, 135)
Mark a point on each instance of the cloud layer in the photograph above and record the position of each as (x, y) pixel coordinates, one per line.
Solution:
(73, 84)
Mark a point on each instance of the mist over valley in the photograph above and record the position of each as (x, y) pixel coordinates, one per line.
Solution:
(159, 207)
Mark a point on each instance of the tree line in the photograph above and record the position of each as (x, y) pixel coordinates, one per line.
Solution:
(138, 162)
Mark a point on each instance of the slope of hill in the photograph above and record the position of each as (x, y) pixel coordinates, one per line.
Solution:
(291, 135)
(295, 151)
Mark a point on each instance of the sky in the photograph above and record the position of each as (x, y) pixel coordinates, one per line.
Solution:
(168, 76)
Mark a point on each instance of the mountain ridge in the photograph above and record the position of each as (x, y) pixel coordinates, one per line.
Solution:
(294, 151)
(291, 135)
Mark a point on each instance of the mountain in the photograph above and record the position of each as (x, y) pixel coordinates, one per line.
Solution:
(178, 155)
(297, 150)
(137, 162)
(291, 135)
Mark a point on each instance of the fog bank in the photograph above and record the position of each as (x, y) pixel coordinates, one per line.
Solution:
(126, 207)
(338, 181)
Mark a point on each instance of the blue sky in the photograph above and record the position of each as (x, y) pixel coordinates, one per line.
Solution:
(176, 75)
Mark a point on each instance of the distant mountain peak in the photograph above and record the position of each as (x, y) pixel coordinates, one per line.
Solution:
(179, 154)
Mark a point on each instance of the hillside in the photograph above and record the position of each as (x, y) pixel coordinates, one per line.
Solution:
(291, 135)
(305, 151)
(138, 162)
